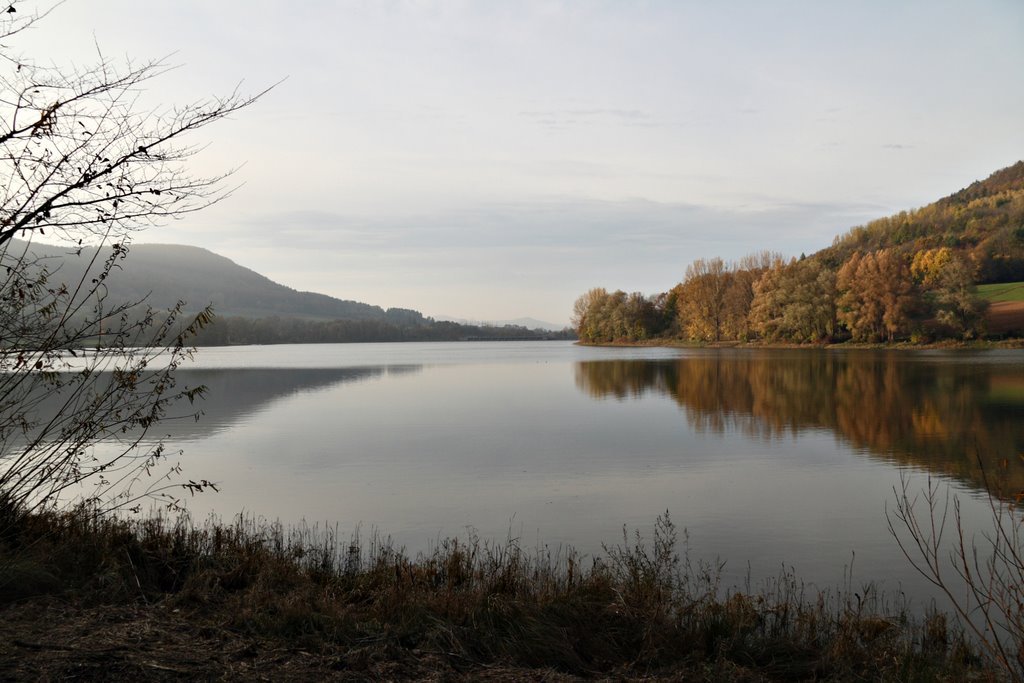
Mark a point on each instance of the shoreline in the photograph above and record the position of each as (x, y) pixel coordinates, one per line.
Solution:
(97, 597)
(945, 345)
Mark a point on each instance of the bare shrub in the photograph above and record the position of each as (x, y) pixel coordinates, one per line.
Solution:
(83, 167)
(982, 576)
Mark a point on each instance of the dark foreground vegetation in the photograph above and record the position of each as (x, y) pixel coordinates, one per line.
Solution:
(90, 597)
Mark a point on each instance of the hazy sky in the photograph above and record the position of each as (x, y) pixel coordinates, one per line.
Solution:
(494, 160)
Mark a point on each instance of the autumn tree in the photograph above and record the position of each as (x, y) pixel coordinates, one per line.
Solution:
(702, 299)
(82, 377)
(795, 301)
(876, 295)
(927, 265)
(585, 314)
(674, 311)
(665, 313)
(600, 316)
(740, 293)
(946, 277)
(955, 302)
(641, 317)
(612, 317)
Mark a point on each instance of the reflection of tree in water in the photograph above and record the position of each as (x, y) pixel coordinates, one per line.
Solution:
(933, 413)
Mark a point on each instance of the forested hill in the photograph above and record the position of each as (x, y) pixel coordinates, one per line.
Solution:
(912, 276)
(163, 274)
(984, 222)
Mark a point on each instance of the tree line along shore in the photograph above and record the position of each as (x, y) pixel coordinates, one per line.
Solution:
(950, 270)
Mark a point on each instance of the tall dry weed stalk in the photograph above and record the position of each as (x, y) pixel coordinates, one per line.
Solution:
(981, 575)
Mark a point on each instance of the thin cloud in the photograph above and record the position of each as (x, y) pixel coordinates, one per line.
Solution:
(565, 224)
(562, 118)
(470, 257)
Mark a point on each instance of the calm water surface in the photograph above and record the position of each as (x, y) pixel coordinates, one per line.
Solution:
(769, 458)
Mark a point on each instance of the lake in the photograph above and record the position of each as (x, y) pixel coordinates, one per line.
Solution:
(769, 459)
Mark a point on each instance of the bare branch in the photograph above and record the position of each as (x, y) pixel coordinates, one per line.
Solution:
(83, 378)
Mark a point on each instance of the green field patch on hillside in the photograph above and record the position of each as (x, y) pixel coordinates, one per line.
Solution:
(1002, 291)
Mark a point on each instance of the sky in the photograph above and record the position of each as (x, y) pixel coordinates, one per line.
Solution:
(495, 160)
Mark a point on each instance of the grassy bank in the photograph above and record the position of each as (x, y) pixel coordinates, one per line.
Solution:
(94, 598)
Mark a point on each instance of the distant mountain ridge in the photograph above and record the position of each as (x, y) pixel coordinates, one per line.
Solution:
(529, 323)
(163, 274)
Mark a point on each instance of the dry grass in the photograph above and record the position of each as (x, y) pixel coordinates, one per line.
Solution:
(157, 599)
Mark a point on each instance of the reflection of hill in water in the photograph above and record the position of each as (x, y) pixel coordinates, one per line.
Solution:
(933, 411)
(233, 394)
